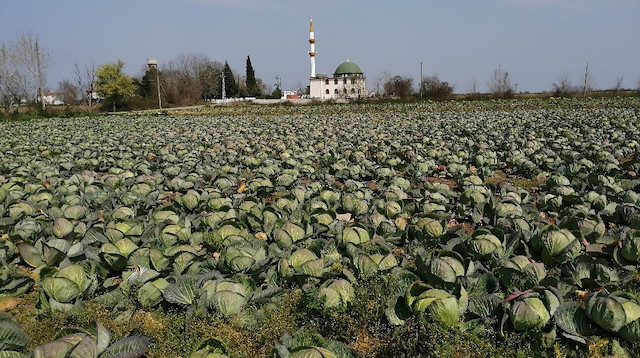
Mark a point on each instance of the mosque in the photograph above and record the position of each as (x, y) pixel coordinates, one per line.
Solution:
(348, 81)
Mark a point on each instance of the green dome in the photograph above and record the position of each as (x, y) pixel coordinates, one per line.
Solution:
(347, 68)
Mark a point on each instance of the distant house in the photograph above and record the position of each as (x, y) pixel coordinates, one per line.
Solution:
(95, 95)
(51, 99)
(290, 95)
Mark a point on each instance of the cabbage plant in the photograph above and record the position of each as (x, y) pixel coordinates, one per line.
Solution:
(555, 245)
(93, 343)
(617, 312)
(435, 303)
(531, 310)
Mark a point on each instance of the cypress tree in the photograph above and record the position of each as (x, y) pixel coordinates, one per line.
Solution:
(252, 85)
(231, 86)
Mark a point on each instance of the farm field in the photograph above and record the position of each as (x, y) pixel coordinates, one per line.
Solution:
(468, 229)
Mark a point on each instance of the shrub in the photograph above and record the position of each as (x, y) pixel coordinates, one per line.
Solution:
(433, 88)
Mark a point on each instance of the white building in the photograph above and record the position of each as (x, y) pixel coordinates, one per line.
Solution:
(348, 81)
(51, 99)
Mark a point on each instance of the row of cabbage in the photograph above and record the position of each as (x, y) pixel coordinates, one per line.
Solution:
(222, 213)
(97, 341)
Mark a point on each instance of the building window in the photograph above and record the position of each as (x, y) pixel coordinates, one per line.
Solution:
(353, 81)
(353, 90)
(326, 92)
(326, 81)
(344, 81)
(335, 81)
(344, 90)
(335, 91)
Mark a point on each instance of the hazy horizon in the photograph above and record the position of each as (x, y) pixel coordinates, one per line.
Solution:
(536, 41)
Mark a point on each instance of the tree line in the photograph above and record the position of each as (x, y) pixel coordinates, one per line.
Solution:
(499, 86)
(193, 78)
(186, 80)
(432, 87)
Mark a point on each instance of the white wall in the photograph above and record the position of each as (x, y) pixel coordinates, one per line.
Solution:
(318, 88)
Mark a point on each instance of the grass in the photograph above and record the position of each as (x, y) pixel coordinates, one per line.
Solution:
(21, 115)
(178, 332)
(499, 177)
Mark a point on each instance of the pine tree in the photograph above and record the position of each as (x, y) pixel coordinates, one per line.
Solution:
(252, 85)
(231, 86)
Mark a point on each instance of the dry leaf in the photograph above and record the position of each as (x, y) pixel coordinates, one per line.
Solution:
(8, 303)
(242, 188)
(261, 236)
(372, 185)
(401, 223)
(344, 217)
(582, 295)
(397, 252)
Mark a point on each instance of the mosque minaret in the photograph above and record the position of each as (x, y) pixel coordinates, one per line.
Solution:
(347, 82)
(312, 52)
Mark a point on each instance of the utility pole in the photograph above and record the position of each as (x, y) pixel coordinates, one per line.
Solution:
(586, 77)
(40, 84)
(224, 91)
(158, 80)
(421, 80)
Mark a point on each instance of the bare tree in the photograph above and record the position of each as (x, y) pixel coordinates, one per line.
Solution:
(473, 86)
(588, 85)
(380, 81)
(434, 88)
(9, 76)
(85, 81)
(16, 84)
(617, 86)
(68, 92)
(399, 86)
(563, 87)
(210, 80)
(190, 78)
(499, 83)
(184, 70)
(23, 70)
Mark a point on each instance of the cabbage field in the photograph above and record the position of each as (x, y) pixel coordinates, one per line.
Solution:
(492, 228)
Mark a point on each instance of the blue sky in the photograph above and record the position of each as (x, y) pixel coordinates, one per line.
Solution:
(536, 41)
